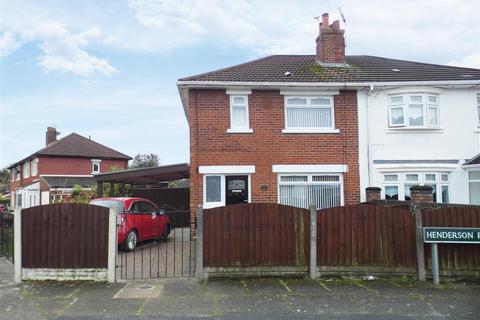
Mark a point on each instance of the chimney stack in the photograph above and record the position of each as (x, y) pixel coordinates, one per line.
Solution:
(330, 42)
(51, 135)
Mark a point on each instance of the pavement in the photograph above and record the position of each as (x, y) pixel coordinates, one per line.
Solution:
(394, 298)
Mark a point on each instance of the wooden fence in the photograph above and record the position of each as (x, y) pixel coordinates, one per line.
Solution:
(178, 198)
(454, 257)
(256, 234)
(65, 236)
(366, 235)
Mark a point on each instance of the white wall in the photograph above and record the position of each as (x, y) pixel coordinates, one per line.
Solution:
(457, 139)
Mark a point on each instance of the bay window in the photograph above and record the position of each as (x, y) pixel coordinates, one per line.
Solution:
(396, 186)
(474, 187)
(302, 190)
(413, 111)
(309, 114)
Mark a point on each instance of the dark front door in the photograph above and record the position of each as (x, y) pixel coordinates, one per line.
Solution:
(237, 189)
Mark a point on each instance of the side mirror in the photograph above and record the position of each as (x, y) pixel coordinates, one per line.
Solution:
(161, 211)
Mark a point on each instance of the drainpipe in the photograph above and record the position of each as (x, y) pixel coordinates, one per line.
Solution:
(370, 90)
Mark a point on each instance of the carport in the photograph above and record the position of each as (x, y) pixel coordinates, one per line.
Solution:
(146, 183)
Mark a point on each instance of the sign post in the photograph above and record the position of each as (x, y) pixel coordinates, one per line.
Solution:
(435, 235)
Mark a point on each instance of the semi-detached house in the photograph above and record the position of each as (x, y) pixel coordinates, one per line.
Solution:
(318, 129)
(50, 173)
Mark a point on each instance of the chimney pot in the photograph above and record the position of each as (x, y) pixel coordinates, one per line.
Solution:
(51, 135)
(325, 23)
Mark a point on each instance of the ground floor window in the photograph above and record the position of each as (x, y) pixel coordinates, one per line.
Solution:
(302, 190)
(474, 186)
(396, 185)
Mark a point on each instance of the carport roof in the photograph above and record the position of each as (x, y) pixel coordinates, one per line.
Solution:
(146, 175)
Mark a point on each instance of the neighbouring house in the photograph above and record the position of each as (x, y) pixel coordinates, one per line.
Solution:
(318, 129)
(51, 173)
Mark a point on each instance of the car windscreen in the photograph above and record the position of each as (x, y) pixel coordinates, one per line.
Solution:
(108, 204)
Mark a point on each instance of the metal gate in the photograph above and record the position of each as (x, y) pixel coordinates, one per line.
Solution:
(170, 257)
(6, 235)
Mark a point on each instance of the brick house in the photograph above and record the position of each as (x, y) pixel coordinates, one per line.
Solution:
(51, 173)
(297, 129)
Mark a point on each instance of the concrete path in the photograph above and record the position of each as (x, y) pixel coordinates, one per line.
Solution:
(239, 299)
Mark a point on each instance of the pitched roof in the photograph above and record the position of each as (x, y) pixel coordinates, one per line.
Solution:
(474, 160)
(75, 145)
(359, 68)
(69, 182)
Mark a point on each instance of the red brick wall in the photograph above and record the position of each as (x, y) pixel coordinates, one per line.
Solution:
(210, 144)
(66, 166)
(331, 46)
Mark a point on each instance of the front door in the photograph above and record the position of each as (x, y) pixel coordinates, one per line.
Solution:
(236, 189)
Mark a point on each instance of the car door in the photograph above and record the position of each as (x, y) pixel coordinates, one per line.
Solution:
(150, 219)
(136, 219)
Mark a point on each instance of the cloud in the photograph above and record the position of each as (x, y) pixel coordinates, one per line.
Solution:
(469, 61)
(61, 48)
(8, 44)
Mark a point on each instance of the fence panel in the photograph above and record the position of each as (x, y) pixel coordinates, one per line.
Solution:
(256, 234)
(454, 257)
(65, 236)
(366, 235)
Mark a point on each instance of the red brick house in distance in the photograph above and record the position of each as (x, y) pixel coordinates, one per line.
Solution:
(50, 173)
(278, 129)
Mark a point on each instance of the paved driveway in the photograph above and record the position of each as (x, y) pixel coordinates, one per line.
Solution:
(159, 259)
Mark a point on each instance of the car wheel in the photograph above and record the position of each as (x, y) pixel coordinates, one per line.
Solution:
(130, 241)
(166, 232)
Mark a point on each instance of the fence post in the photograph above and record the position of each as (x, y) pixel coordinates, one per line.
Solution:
(17, 244)
(199, 244)
(417, 213)
(112, 244)
(313, 241)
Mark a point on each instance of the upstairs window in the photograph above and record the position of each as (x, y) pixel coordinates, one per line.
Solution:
(239, 121)
(26, 170)
(413, 111)
(18, 172)
(96, 166)
(478, 109)
(34, 165)
(309, 114)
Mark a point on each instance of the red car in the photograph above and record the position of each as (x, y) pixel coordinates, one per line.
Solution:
(139, 220)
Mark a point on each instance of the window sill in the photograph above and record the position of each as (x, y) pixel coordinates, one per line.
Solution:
(414, 130)
(310, 131)
(239, 130)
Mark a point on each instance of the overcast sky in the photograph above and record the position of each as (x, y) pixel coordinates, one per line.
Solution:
(108, 69)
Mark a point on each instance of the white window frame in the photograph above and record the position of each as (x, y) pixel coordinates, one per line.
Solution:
(34, 167)
(405, 105)
(402, 182)
(209, 205)
(330, 129)
(478, 110)
(26, 169)
(245, 129)
(18, 173)
(96, 161)
(469, 182)
(311, 182)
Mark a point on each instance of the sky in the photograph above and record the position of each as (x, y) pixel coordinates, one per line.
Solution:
(108, 69)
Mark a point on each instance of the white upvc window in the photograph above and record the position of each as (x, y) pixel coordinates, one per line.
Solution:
(26, 169)
(34, 165)
(474, 187)
(302, 190)
(396, 185)
(12, 175)
(213, 191)
(18, 173)
(309, 114)
(239, 117)
(96, 166)
(478, 109)
(413, 111)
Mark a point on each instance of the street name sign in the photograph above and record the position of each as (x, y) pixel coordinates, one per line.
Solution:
(451, 235)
